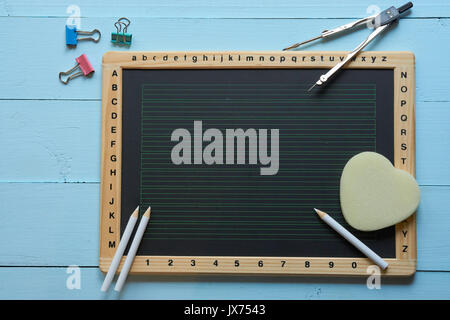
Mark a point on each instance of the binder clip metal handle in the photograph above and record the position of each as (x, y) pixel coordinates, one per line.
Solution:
(126, 23)
(72, 35)
(83, 64)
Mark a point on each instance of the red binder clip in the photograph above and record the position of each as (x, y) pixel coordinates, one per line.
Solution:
(83, 64)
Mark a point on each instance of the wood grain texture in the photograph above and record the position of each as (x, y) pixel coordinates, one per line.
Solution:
(220, 9)
(49, 141)
(111, 171)
(49, 224)
(64, 143)
(405, 150)
(72, 236)
(32, 283)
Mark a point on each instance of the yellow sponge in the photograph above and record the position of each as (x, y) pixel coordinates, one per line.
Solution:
(374, 194)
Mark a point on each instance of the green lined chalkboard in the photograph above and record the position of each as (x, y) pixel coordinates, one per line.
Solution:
(231, 209)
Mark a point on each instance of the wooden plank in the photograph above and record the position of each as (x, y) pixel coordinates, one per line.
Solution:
(50, 283)
(26, 69)
(432, 248)
(50, 141)
(64, 141)
(218, 9)
(20, 58)
(68, 212)
(111, 169)
(49, 224)
(431, 145)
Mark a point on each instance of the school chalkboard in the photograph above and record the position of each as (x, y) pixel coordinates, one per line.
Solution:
(233, 160)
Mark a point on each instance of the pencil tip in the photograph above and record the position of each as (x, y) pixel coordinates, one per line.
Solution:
(135, 212)
(147, 212)
(320, 213)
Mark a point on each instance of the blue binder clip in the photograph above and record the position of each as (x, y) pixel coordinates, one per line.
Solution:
(72, 33)
(121, 37)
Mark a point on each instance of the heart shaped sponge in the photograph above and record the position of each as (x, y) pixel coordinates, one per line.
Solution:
(374, 194)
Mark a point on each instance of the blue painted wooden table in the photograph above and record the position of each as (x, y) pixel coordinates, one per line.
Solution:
(50, 138)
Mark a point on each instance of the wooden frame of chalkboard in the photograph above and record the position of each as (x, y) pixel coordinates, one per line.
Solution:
(402, 64)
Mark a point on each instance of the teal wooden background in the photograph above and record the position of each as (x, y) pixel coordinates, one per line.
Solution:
(50, 138)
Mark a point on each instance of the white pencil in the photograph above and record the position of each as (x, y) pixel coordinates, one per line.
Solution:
(120, 250)
(352, 239)
(133, 249)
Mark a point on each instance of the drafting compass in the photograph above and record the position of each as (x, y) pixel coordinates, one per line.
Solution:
(380, 23)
